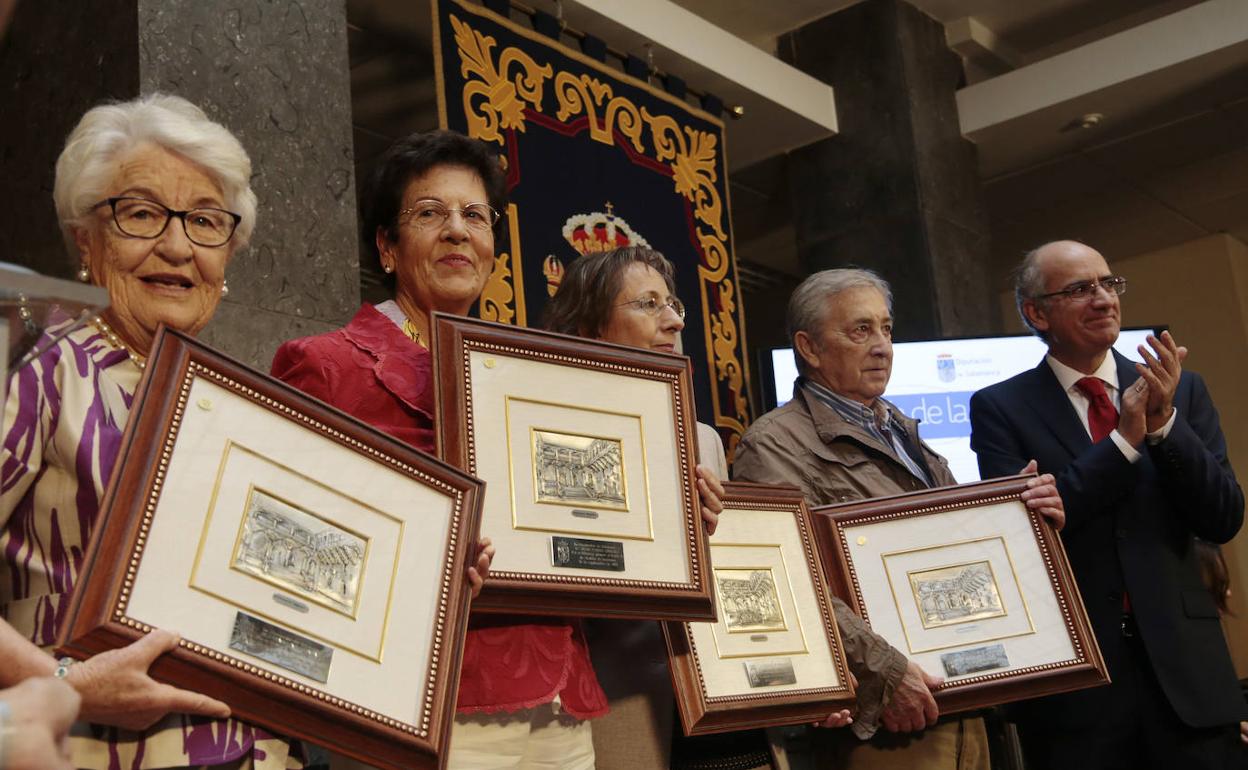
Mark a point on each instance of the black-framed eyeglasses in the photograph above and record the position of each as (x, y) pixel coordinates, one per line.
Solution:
(1082, 292)
(654, 306)
(143, 218)
(427, 214)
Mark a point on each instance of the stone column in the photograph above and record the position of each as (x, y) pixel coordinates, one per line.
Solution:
(897, 189)
(275, 73)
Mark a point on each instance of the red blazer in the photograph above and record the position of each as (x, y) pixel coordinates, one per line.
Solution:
(371, 370)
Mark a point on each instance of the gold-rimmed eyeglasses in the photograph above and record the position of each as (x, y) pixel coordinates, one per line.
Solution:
(654, 306)
(426, 214)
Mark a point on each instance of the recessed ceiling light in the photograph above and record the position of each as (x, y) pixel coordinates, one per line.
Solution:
(1091, 119)
(1087, 120)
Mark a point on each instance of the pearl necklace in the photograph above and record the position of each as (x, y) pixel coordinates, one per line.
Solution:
(115, 341)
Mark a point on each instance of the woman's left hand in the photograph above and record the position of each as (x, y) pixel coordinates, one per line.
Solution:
(710, 490)
(479, 570)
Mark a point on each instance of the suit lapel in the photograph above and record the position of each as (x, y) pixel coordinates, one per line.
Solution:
(1126, 372)
(1044, 395)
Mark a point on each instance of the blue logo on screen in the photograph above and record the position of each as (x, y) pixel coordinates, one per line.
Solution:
(945, 369)
(941, 415)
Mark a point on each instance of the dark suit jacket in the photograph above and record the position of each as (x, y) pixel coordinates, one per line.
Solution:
(1130, 527)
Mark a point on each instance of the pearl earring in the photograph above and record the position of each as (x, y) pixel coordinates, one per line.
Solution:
(387, 269)
(84, 275)
(225, 288)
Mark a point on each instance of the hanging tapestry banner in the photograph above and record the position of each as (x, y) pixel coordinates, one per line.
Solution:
(597, 159)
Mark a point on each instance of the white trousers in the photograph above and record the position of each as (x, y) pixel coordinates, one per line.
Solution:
(542, 738)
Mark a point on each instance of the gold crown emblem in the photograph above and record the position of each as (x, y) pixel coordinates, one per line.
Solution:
(600, 231)
(552, 268)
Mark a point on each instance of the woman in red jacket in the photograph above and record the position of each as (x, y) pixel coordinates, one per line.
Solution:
(431, 211)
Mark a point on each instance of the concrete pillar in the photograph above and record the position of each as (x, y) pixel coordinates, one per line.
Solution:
(897, 189)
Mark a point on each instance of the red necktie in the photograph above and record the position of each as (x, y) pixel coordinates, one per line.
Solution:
(1102, 416)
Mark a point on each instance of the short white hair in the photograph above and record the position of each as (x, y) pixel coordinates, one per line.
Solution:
(110, 131)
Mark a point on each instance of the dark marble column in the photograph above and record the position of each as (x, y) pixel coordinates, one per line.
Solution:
(896, 190)
(274, 72)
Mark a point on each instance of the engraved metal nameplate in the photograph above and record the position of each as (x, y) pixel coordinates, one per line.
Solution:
(581, 553)
(581, 513)
(287, 601)
(758, 637)
(281, 647)
(769, 673)
(974, 660)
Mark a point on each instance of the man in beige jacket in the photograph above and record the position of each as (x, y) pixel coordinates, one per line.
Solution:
(839, 440)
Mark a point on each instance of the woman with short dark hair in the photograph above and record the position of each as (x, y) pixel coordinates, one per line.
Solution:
(430, 216)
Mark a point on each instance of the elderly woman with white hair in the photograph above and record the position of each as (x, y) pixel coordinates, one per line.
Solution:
(153, 199)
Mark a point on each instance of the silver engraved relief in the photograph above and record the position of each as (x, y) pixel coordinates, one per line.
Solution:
(301, 553)
(749, 600)
(956, 594)
(579, 470)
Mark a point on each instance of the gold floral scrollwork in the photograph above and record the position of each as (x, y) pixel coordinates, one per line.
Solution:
(505, 98)
(497, 295)
(504, 288)
(577, 94)
(692, 157)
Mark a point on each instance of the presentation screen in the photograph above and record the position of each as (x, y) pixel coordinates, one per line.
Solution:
(933, 382)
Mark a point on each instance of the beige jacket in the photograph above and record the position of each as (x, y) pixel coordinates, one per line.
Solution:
(808, 445)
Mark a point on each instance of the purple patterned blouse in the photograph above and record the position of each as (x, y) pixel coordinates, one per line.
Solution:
(61, 434)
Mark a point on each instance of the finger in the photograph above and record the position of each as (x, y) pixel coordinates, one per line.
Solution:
(1152, 379)
(1041, 506)
(1040, 495)
(149, 648)
(175, 700)
(710, 519)
(709, 497)
(705, 472)
(1150, 361)
(1172, 347)
(1165, 351)
(1037, 483)
(475, 582)
(1030, 467)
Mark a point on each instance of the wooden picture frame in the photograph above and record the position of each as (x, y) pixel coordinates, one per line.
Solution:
(970, 584)
(587, 452)
(783, 663)
(309, 561)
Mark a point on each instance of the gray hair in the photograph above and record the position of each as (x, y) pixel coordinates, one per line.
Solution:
(110, 131)
(808, 307)
(1029, 284)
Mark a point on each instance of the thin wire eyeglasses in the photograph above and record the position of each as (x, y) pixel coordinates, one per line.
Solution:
(654, 306)
(143, 218)
(432, 214)
(1082, 292)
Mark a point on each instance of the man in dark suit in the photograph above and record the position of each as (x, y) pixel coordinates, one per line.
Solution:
(1141, 466)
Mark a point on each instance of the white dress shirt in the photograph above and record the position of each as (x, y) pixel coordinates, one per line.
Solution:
(1107, 373)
